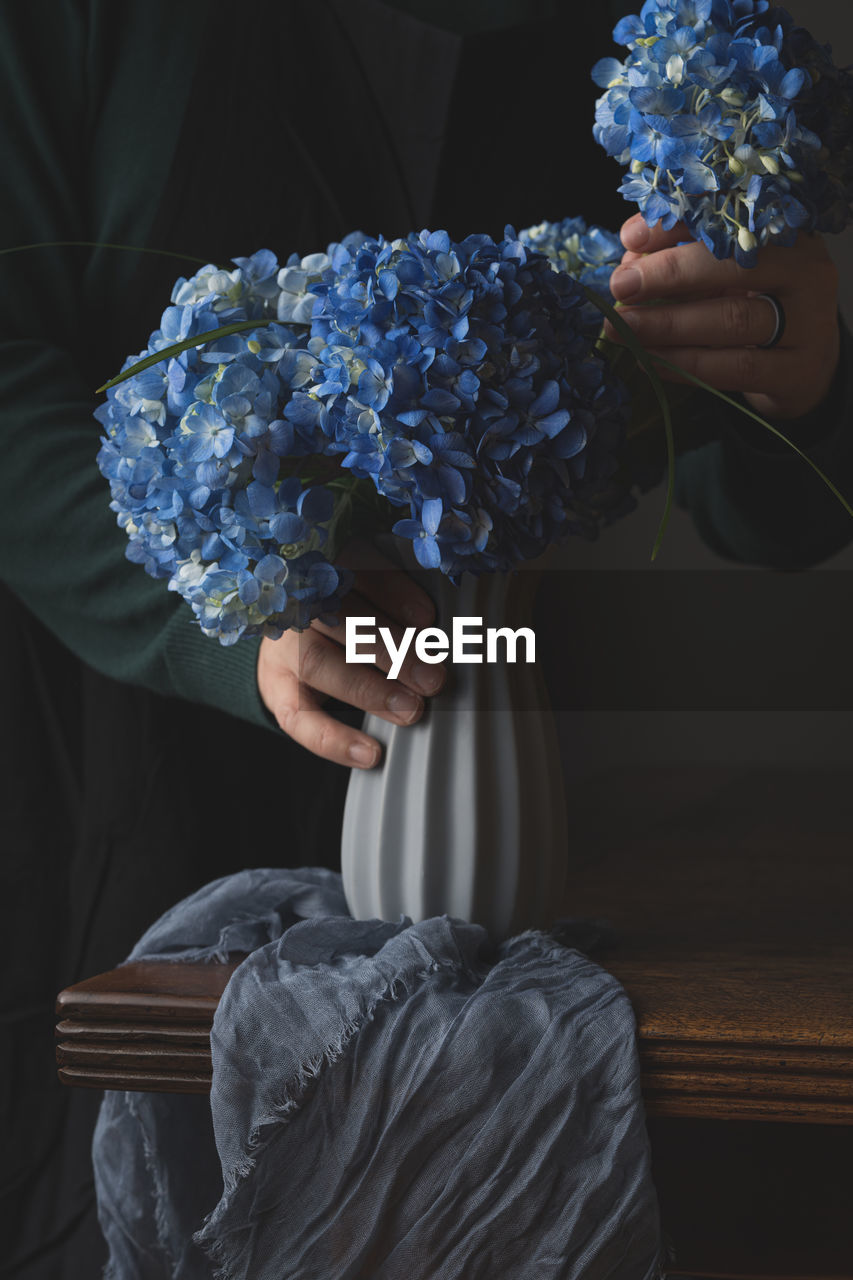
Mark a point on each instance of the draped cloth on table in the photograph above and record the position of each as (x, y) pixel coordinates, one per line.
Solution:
(388, 1101)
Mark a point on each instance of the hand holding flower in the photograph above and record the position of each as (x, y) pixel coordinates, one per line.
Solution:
(710, 321)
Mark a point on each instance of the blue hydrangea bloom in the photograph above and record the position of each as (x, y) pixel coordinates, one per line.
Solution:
(196, 453)
(731, 119)
(460, 381)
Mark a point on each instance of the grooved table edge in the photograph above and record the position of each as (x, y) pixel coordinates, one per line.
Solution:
(136, 1081)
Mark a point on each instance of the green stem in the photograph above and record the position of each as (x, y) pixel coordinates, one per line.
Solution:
(644, 359)
(103, 244)
(682, 373)
(176, 348)
(167, 352)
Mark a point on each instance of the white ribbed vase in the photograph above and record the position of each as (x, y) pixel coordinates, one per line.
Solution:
(465, 816)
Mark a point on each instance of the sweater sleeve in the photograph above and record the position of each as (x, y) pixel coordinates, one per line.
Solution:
(754, 500)
(63, 554)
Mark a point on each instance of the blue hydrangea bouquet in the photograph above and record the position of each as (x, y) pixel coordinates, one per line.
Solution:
(457, 386)
(458, 394)
(731, 120)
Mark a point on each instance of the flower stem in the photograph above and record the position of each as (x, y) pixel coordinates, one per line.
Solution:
(103, 244)
(648, 361)
(176, 348)
(644, 359)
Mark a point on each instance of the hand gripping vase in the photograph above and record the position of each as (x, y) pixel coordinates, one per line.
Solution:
(465, 816)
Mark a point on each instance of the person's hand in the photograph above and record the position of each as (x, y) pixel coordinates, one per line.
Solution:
(712, 327)
(298, 671)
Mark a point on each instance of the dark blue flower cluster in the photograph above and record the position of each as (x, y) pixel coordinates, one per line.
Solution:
(588, 254)
(732, 120)
(460, 381)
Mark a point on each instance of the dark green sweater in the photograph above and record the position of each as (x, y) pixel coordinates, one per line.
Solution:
(144, 124)
(92, 109)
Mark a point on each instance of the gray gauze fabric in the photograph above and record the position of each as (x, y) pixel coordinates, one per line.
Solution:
(389, 1101)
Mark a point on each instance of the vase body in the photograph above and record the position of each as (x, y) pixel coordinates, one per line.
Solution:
(465, 816)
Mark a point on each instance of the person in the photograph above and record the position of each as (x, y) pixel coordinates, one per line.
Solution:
(143, 759)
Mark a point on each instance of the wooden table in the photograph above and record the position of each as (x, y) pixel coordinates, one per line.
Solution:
(728, 896)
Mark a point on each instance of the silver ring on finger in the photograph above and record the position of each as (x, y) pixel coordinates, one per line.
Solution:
(779, 314)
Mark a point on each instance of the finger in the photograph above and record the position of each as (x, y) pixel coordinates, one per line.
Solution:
(299, 716)
(322, 666)
(691, 270)
(385, 584)
(628, 257)
(416, 675)
(731, 321)
(738, 369)
(638, 237)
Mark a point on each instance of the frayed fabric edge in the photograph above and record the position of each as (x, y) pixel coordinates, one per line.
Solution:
(160, 1191)
(295, 1091)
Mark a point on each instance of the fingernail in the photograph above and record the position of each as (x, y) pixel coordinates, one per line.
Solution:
(635, 236)
(403, 705)
(365, 754)
(427, 679)
(625, 282)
